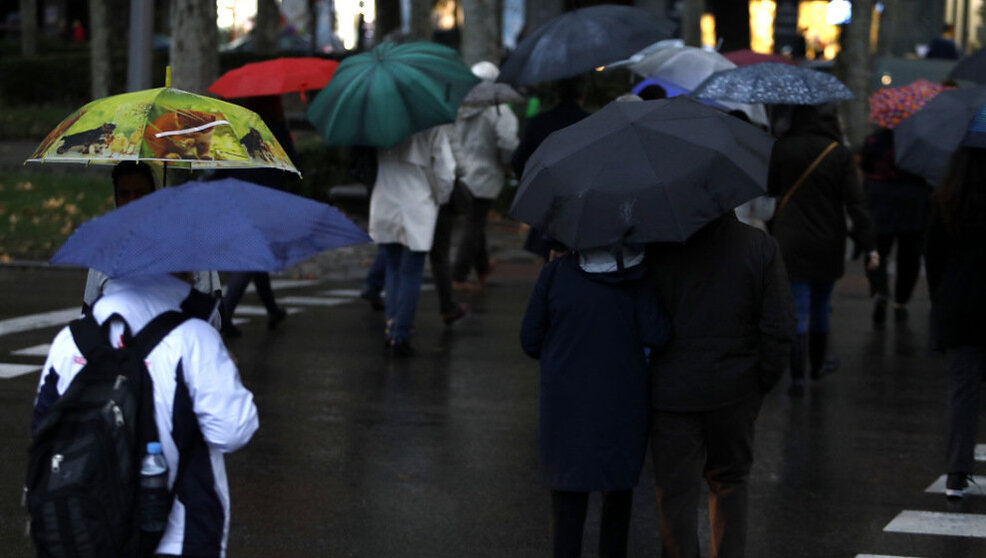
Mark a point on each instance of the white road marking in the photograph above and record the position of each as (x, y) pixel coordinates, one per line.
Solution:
(314, 300)
(277, 284)
(354, 293)
(14, 370)
(880, 556)
(939, 523)
(37, 350)
(980, 452)
(251, 310)
(39, 321)
(976, 488)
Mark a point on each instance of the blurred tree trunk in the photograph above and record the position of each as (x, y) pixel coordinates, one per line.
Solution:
(853, 67)
(268, 26)
(388, 19)
(538, 12)
(420, 23)
(659, 7)
(691, 21)
(481, 30)
(29, 27)
(100, 68)
(732, 24)
(194, 45)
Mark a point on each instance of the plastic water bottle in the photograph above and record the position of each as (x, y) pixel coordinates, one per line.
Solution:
(154, 502)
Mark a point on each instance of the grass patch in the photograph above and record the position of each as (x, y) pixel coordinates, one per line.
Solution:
(38, 212)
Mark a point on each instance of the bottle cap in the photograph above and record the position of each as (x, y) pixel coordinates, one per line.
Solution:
(154, 448)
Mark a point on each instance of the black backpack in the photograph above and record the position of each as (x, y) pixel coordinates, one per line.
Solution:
(82, 485)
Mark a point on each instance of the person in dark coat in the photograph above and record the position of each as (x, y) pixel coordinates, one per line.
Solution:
(733, 321)
(589, 319)
(568, 111)
(810, 226)
(955, 258)
(899, 203)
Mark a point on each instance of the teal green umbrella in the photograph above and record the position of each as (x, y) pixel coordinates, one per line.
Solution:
(381, 97)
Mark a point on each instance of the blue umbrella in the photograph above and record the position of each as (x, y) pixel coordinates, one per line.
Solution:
(773, 83)
(225, 225)
(924, 141)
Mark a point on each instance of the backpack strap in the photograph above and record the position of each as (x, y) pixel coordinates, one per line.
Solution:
(88, 334)
(157, 329)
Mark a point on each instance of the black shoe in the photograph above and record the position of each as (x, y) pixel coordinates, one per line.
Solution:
(374, 298)
(451, 317)
(880, 312)
(797, 388)
(900, 314)
(399, 348)
(231, 331)
(956, 485)
(829, 366)
(275, 318)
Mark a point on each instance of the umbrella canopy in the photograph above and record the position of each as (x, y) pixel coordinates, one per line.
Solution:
(925, 141)
(489, 93)
(275, 77)
(164, 124)
(773, 83)
(652, 171)
(225, 225)
(381, 97)
(747, 57)
(581, 40)
(971, 68)
(890, 105)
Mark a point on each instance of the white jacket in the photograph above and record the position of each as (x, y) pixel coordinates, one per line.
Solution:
(487, 136)
(413, 179)
(197, 389)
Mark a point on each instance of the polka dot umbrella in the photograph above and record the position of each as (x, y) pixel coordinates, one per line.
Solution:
(890, 105)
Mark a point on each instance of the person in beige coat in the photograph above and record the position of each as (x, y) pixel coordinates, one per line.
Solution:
(413, 179)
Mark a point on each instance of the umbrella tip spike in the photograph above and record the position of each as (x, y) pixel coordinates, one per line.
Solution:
(167, 76)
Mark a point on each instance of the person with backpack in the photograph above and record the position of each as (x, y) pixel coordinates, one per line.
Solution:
(192, 402)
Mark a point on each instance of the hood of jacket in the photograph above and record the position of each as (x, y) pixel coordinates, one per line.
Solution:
(815, 120)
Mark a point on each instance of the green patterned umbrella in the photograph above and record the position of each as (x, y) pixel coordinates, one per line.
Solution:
(381, 97)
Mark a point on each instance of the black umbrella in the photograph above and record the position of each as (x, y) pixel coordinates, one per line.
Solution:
(652, 171)
(924, 142)
(581, 40)
(972, 67)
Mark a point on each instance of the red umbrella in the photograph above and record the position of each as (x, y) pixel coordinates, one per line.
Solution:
(891, 105)
(748, 57)
(274, 77)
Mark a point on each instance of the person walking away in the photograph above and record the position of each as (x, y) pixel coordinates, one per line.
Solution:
(413, 180)
(201, 408)
(487, 137)
(588, 321)
(733, 322)
(899, 203)
(955, 257)
(944, 46)
(814, 178)
(568, 111)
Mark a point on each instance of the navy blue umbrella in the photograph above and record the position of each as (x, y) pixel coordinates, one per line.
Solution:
(773, 83)
(224, 225)
(924, 141)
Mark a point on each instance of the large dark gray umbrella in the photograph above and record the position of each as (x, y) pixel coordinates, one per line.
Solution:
(972, 67)
(581, 40)
(773, 83)
(924, 142)
(650, 171)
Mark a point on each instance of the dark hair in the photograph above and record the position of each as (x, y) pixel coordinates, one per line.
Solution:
(962, 196)
(948, 28)
(652, 91)
(126, 168)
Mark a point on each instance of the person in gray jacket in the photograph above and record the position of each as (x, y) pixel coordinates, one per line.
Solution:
(732, 324)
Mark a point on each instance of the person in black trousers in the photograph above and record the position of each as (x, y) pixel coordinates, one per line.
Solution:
(955, 255)
(588, 321)
(898, 202)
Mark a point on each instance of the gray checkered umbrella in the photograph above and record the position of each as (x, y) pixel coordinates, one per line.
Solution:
(773, 83)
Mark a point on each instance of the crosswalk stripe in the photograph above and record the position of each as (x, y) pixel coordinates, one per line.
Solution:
(314, 300)
(276, 284)
(14, 370)
(352, 293)
(977, 487)
(939, 523)
(37, 350)
(980, 452)
(251, 310)
(39, 321)
(880, 556)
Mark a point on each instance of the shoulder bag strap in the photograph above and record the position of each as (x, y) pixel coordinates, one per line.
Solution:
(804, 176)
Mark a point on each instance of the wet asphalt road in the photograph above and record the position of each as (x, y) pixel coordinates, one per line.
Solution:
(435, 456)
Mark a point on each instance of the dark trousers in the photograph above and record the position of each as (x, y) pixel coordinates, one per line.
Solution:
(716, 445)
(908, 265)
(966, 372)
(438, 257)
(473, 252)
(236, 285)
(377, 274)
(568, 523)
